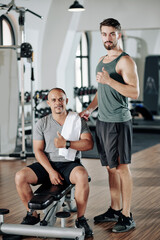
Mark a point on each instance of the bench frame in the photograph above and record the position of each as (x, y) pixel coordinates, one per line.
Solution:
(46, 227)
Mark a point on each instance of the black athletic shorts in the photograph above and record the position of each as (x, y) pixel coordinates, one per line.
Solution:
(114, 140)
(64, 168)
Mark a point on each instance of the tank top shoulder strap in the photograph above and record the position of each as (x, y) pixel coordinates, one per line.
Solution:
(121, 55)
(102, 59)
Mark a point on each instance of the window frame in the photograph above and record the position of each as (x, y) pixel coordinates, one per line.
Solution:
(81, 57)
(80, 67)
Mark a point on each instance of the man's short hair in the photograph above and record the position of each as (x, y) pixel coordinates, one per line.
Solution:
(58, 89)
(111, 22)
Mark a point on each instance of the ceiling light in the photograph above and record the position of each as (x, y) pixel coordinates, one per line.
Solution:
(76, 7)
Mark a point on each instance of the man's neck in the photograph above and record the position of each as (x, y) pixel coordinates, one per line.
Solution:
(114, 52)
(60, 118)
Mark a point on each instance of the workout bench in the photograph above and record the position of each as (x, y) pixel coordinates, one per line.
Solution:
(50, 199)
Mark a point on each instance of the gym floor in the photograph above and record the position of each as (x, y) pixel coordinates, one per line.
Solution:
(145, 169)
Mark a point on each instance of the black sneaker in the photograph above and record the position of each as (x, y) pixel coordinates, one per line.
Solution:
(124, 224)
(110, 216)
(82, 223)
(30, 220)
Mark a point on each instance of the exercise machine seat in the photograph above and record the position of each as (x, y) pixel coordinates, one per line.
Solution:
(46, 194)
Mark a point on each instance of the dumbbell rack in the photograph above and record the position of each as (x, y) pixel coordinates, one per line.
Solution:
(40, 97)
(32, 114)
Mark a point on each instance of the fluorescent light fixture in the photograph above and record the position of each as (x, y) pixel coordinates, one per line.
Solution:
(76, 7)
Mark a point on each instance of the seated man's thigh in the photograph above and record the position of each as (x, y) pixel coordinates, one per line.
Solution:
(40, 174)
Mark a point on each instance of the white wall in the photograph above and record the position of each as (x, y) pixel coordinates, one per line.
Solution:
(59, 48)
(132, 14)
(97, 50)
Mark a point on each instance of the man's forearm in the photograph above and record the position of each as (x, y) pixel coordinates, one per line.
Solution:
(43, 160)
(93, 105)
(82, 145)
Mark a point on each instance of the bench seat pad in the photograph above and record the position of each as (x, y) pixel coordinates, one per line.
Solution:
(46, 194)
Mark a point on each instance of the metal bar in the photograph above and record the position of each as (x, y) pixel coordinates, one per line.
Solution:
(22, 111)
(32, 103)
(22, 39)
(42, 231)
(10, 46)
(1, 32)
(1, 218)
(37, 15)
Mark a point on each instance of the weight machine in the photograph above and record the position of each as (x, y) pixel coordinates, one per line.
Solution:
(25, 52)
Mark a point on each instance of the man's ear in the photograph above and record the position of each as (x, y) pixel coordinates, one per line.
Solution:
(66, 100)
(119, 35)
(48, 103)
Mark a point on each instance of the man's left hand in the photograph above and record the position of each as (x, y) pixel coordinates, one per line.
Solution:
(103, 77)
(59, 142)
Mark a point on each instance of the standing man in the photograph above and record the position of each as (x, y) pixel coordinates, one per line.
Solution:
(117, 81)
(58, 158)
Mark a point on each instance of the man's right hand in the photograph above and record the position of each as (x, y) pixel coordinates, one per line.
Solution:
(55, 177)
(85, 114)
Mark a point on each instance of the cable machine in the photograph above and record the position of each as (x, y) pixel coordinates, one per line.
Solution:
(25, 51)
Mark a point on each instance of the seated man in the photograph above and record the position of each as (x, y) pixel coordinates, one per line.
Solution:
(55, 162)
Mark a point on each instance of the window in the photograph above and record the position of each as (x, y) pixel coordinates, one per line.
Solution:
(7, 36)
(82, 77)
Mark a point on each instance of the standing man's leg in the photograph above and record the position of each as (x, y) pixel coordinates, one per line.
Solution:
(126, 183)
(115, 188)
(125, 221)
(113, 213)
(103, 140)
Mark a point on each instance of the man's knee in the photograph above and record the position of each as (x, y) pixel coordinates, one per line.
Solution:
(79, 175)
(111, 170)
(25, 175)
(20, 177)
(123, 169)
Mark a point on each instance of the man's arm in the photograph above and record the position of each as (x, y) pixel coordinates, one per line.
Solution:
(91, 107)
(126, 67)
(84, 144)
(41, 157)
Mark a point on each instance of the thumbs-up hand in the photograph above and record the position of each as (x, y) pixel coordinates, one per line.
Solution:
(59, 142)
(103, 77)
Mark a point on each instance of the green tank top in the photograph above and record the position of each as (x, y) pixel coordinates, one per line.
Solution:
(112, 106)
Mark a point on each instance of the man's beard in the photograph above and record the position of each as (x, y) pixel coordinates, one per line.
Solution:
(110, 47)
(58, 110)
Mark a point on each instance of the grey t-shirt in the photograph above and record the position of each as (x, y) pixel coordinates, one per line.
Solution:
(46, 129)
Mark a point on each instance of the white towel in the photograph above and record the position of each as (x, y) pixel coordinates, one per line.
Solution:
(71, 131)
